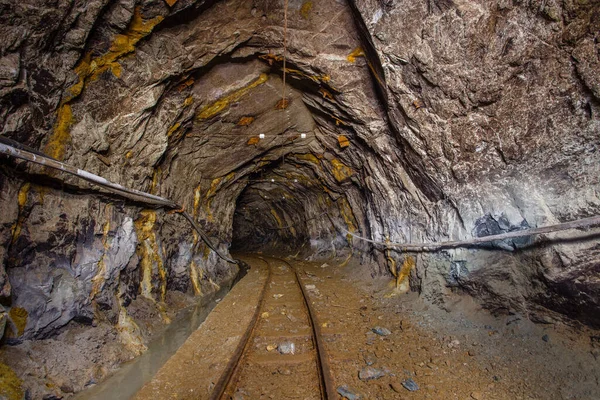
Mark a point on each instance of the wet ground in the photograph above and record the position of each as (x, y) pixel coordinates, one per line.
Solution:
(130, 377)
(379, 346)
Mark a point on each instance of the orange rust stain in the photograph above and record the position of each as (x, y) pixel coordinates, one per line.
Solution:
(185, 84)
(282, 104)
(343, 141)
(326, 94)
(245, 121)
(269, 57)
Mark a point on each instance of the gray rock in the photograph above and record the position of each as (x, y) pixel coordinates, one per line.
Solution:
(546, 338)
(381, 331)
(410, 385)
(286, 348)
(347, 393)
(370, 358)
(370, 373)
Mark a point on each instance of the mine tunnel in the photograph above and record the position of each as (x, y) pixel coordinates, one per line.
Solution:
(283, 199)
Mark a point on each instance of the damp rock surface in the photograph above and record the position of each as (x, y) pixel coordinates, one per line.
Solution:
(400, 122)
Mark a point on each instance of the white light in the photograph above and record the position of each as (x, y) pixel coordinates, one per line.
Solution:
(303, 135)
(261, 136)
(284, 197)
(296, 180)
(272, 180)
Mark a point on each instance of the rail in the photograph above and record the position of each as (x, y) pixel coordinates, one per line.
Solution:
(226, 384)
(325, 370)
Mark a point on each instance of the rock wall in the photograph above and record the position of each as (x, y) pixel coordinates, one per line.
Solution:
(407, 121)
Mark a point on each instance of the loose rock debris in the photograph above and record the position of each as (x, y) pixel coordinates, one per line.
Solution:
(402, 347)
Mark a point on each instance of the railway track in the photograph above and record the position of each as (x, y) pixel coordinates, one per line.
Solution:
(282, 351)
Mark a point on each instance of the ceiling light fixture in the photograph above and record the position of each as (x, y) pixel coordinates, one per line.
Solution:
(261, 136)
(303, 135)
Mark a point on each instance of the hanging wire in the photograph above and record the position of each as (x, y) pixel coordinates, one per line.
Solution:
(284, 50)
(283, 100)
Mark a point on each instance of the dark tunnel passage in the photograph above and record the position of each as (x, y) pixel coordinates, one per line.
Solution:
(270, 215)
(285, 209)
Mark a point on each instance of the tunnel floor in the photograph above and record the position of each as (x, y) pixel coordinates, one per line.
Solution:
(379, 344)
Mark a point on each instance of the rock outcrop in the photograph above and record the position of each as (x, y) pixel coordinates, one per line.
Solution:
(403, 121)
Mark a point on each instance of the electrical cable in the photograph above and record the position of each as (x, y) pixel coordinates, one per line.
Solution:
(132, 194)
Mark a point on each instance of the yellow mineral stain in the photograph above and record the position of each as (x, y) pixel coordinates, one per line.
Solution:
(269, 57)
(206, 252)
(208, 211)
(402, 278)
(348, 216)
(56, 146)
(11, 386)
(322, 78)
(340, 171)
(197, 199)
(22, 198)
(188, 101)
(129, 154)
(229, 176)
(209, 195)
(347, 260)
(171, 3)
(173, 129)
(130, 333)
(89, 70)
(162, 273)
(125, 43)
(254, 140)
(155, 178)
(149, 254)
(310, 157)
(195, 279)
(306, 8)
(358, 52)
(100, 277)
(18, 316)
(218, 106)
(21, 201)
(277, 218)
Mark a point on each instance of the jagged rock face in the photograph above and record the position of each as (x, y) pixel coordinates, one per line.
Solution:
(407, 121)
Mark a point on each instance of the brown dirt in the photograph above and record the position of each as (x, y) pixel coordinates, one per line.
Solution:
(462, 354)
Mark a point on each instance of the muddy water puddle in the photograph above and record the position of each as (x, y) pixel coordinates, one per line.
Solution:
(128, 379)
